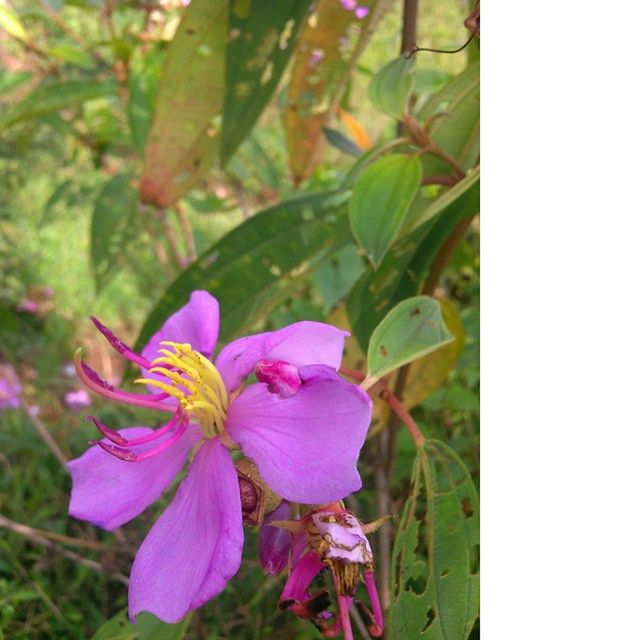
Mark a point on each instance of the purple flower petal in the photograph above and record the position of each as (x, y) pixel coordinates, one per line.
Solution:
(109, 492)
(195, 546)
(302, 343)
(306, 446)
(196, 323)
(274, 543)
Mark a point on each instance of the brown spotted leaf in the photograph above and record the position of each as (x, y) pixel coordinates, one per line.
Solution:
(184, 137)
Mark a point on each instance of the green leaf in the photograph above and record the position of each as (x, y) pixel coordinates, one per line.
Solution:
(144, 80)
(434, 577)
(72, 55)
(10, 22)
(53, 97)
(184, 137)
(458, 132)
(340, 141)
(391, 87)
(147, 627)
(252, 265)
(408, 261)
(262, 38)
(412, 329)
(113, 228)
(10, 80)
(381, 198)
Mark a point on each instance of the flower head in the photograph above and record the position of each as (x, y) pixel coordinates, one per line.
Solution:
(10, 387)
(331, 538)
(301, 424)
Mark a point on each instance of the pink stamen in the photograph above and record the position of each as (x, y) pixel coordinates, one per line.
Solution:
(129, 456)
(344, 604)
(114, 436)
(108, 433)
(374, 600)
(92, 380)
(120, 346)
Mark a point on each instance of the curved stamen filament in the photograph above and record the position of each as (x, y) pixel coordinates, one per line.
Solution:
(129, 456)
(120, 440)
(94, 382)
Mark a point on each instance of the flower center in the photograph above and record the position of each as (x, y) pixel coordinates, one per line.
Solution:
(194, 382)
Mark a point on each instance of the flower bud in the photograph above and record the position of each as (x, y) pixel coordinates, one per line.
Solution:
(281, 377)
(274, 543)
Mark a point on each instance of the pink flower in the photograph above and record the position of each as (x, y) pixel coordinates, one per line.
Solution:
(305, 442)
(10, 388)
(331, 538)
(77, 399)
(362, 12)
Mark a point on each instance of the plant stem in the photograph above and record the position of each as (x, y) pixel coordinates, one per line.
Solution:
(47, 438)
(187, 232)
(29, 534)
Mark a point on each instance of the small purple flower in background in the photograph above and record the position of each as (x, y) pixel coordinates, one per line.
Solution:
(77, 399)
(331, 538)
(10, 388)
(315, 57)
(301, 424)
(349, 5)
(352, 5)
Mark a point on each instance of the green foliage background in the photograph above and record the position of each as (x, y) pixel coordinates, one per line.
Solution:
(276, 239)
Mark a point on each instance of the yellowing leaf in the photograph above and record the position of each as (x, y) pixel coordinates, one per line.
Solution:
(329, 45)
(184, 137)
(358, 132)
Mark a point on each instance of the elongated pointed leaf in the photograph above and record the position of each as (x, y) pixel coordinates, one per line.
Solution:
(144, 81)
(381, 198)
(113, 228)
(10, 22)
(435, 572)
(262, 37)
(412, 329)
(54, 97)
(250, 267)
(327, 48)
(183, 141)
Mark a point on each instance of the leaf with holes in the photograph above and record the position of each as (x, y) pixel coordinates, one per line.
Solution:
(412, 329)
(391, 87)
(331, 42)
(54, 97)
(248, 270)
(434, 571)
(262, 37)
(147, 627)
(184, 137)
(114, 228)
(381, 199)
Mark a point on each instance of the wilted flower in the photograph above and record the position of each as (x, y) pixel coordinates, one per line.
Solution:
(301, 424)
(331, 538)
(77, 399)
(10, 388)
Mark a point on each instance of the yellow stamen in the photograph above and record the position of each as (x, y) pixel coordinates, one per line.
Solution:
(194, 382)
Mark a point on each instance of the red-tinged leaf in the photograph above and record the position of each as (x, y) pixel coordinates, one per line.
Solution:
(332, 40)
(184, 137)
